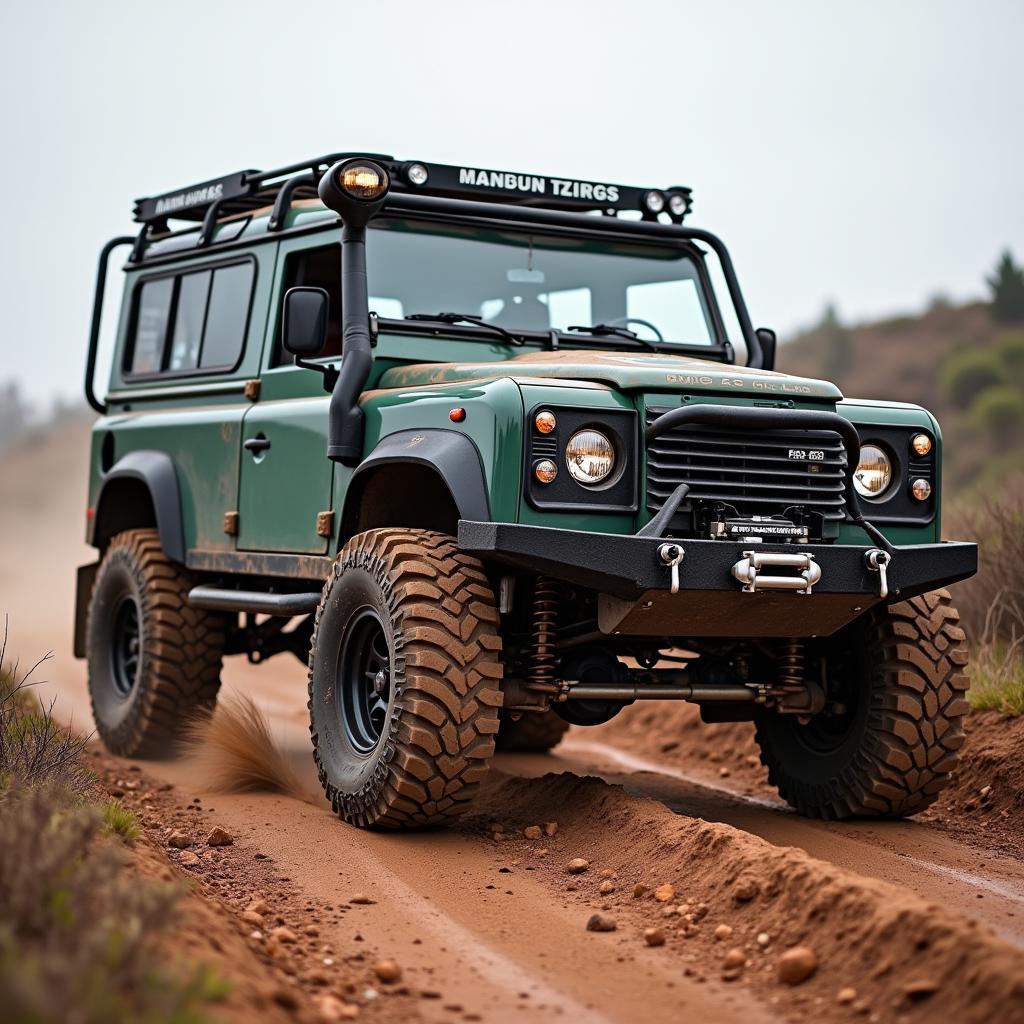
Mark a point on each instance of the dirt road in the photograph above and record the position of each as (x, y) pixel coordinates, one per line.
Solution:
(496, 928)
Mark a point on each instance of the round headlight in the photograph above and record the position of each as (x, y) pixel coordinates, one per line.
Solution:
(545, 471)
(874, 472)
(417, 174)
(654, 201)
(922, 444)
(677, 204)
(363, 181)
(921, 489)
(589, 456)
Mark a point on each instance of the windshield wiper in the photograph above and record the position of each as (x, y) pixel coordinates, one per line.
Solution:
(466, 318)
(611, 331)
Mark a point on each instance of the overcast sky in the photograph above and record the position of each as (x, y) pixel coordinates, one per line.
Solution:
(868, 153)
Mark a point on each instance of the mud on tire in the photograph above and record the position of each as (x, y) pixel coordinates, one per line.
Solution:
(153, 661)
(404, 674)
(531, 733)
(902, 667)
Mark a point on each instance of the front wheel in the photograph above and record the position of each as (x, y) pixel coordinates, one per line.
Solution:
(888, 741)
(404, 674)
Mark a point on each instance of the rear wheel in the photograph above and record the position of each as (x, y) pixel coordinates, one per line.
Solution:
(531, 732)
(888, 741)
(153, 661)
(404, 675)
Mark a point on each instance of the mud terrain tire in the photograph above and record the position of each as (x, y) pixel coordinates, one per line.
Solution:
(153, 661)
(532, 733)
(404, 674)
(895, 755)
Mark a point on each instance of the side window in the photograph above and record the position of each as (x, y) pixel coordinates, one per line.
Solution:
(191, 322)
(154, 313)
(314, 268)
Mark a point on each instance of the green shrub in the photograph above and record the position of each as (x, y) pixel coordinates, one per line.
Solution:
(1000, 411)
(997, 680)
(1011, 351)
(967, 374)
(120, 821)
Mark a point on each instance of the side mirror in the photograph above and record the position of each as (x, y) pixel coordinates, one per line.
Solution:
(768, 341)
(304, 331)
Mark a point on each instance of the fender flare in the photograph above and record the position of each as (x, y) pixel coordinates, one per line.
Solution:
(452, 455)
(154, 469)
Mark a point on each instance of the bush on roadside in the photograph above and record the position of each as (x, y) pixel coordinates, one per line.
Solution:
(967, 374)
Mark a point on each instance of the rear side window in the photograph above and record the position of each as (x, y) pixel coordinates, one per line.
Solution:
(191, 322)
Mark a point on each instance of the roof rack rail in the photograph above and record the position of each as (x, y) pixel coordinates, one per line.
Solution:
(245, 191)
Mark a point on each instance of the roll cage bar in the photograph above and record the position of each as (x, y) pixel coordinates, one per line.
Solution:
(496, 197)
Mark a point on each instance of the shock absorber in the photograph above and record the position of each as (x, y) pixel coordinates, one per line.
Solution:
(792, 676)
(541, 658)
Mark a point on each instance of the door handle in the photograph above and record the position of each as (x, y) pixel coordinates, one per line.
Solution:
(256, 445)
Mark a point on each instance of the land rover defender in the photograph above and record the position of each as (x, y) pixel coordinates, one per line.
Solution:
(481, 447)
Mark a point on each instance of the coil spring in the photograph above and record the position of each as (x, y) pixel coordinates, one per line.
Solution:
(791, 666)
(545, 623)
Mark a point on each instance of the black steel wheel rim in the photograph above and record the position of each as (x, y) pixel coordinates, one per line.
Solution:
(363, 684)
(126, 646)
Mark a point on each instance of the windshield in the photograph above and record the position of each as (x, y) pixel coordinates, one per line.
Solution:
(524, 282)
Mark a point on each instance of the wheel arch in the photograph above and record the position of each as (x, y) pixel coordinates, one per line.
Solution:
(441, 469)
(140, 490)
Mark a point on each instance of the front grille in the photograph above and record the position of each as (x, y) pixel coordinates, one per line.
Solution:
(755, 475)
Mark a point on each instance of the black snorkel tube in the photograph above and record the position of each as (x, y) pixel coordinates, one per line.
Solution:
(355, 189)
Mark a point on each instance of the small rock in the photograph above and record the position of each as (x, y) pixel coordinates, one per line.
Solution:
(219, 837)
(283, 935)
(251, 917)
(601, 923)
(188, 859)
(845, 996)
(763, 938)
(724, 772)
(495, 827)
(362, 901)
(179, 840)
(387, 971)
(734, 958)
(311, 930)
(665, 892)
(920, 988)
(985, 790)
(258, 906)
(745, 889)
(550, 828)
(796, 965)
(577, 866)
(330, 1008)
(639, 890)
(606, 887)
(609, 873)
(654, 937)
(723, 932)
(533, 832)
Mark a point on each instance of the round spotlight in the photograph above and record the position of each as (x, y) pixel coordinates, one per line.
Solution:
(921, 489)
(654, 201)
(363, 181)
(677, 204)
(417, 174)
(545, 422)
(545, 471)
(922, 444)
(874, 472)
(590, 457)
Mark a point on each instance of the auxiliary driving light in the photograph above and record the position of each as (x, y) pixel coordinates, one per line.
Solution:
(589, 456)
(654, 201)
(417, 174)
(677, 204)
(363, 181)
(921, 443)
(921, 489)
(544, 422)
(545, 471)
(874, 472)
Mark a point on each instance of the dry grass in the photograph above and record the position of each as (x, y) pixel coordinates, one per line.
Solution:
(233, 751)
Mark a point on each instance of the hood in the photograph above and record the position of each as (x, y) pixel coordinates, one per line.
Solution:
(632, 371)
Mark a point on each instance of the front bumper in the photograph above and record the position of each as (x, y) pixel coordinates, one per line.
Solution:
(634, 584)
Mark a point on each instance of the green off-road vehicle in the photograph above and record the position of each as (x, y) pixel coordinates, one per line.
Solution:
(478, 445)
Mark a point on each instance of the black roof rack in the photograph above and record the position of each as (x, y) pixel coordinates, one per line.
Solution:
(244, 191)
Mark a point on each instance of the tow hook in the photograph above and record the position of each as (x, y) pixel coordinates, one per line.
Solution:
(878, 561)
(671, 555)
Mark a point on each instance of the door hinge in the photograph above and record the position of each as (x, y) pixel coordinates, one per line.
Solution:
(231, 523)
(252, 390)
(325, 524)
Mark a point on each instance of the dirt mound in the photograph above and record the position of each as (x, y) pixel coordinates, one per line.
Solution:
(905, 958)
(232, 751)
(986, 799)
